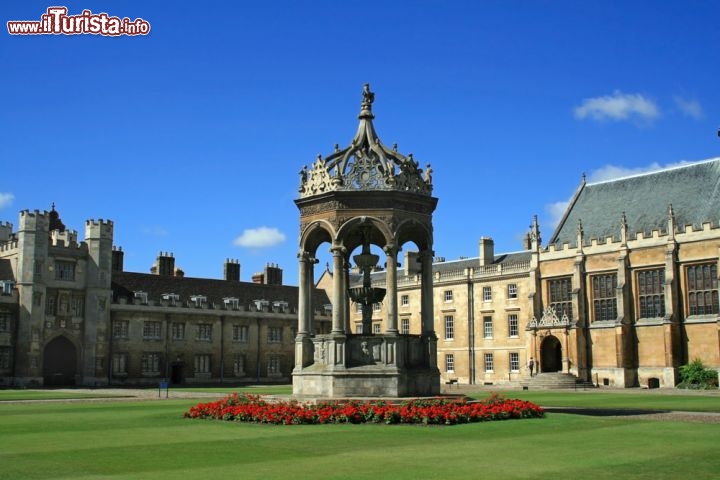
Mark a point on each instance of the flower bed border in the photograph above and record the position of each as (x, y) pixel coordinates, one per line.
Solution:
(433, 411)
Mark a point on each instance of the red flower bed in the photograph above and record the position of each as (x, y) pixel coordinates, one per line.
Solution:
(436, 411)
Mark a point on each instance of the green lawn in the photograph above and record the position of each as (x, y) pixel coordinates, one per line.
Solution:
(151, 440)
(595, 399)
(10, 395)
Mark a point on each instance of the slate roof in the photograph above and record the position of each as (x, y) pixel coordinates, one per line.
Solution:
(693, 190)
(125, 284)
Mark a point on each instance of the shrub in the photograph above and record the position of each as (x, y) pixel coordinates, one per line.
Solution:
(696, 376)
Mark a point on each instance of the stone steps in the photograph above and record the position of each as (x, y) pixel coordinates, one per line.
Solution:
(554, 380)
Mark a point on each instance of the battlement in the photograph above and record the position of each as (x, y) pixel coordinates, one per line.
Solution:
(96, 229)
(9, 246)
(6, 229)
(35, 220)
(68, 238)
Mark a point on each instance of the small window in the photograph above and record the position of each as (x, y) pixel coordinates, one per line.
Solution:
(405, 326)
(512, 291)
(50, 305)
(240, 333)
(376, 328)
(448, 295)
(6, 287)
(513, 330)
(77, 306)
(202, 363)
(239, 365)
(449, 327)
(274, 365)
(119, 363)
(404, 300)
(358, 329)
(151, 330)
(377, 307)
(178, 331)
(489, 362)
(487, 294)
(487, 327)
(120, 329)
(151, 363)
(204, 332)
(358, 308)
(514, 362)
(449, 362)
(4, 322)
(274, 335)
(141, 297)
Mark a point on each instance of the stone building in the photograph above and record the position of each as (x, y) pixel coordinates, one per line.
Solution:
(623, 294)
(70, 315)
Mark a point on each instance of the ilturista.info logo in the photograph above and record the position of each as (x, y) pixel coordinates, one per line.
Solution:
(56, 21)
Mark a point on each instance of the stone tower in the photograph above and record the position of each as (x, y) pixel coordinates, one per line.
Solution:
(358, 197)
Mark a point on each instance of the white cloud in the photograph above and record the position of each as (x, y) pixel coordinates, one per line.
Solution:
(6, 199)
(691, 108)
(618, 106)
(155, 231)
(555, 212)
(260, 237)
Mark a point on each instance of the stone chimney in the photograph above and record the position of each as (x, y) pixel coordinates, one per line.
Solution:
(487, 251)
(273, 274)
(258, 277)
(166, 264)
(412, 265)
(231, 270)
(118, 259)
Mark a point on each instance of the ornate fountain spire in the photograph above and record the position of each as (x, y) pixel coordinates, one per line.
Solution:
(365, 164)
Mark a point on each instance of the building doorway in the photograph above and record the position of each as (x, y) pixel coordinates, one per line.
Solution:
(176, 372)
(550, 355)
(59, 363)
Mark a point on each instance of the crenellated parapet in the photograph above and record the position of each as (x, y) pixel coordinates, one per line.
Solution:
(34, 221)
(98, 229)
(6, 230)
(366, 164)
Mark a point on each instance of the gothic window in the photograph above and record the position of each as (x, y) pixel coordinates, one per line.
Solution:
(65, 271)
(50, 308)
(651, 293)
(561, 296)
(702, 290)
(604, 298)
(77, 306)
(4, 322)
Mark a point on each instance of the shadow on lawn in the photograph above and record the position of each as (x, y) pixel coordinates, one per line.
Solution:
(603, 412)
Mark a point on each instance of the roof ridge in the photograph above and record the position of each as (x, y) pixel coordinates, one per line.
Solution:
(677, 166)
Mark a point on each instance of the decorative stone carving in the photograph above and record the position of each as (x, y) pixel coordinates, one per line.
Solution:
(549, 319)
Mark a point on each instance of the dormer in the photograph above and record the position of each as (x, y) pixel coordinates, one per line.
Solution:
(198, 300)
(141, 297)
(281, 305)
(260, 304)
(171, 298)
(231, 303)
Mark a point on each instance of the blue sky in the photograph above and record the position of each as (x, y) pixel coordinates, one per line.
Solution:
(191, 138)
